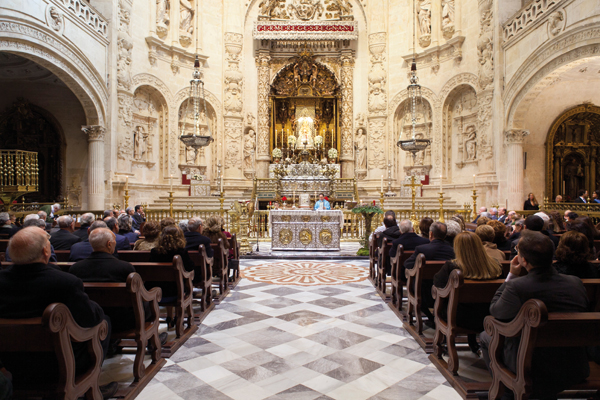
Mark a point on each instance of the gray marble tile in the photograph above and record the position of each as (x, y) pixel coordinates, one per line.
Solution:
(238, 365)
(396, 393)
(262, 357)
(330, 302)
(322, 365)
(329, 291)
(303, 318)
(337, 338)
(282, 291)
(202, 393)
(278, 366)
(206, 349)
(256, 374)
(194, 342)
(299, 392)
(278, 302)
(399, 351)
(183, 382)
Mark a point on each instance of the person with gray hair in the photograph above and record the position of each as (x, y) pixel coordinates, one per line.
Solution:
(124, 222)
(50, 212)
(493, 213)
(122, 241)
(85, 221)
(408, 238)
(453, 228)
(194, 237)
(481, 210)
(63, 239)
(82, 250)
(34, 223)
(30, 285)
(6, 227)
(183, 225)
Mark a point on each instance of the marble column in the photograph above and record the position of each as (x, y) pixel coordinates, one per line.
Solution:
(347, 140)
(263, 63)
(514, 169)
(95, 135)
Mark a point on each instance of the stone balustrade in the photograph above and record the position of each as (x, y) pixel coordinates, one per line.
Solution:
(87, 14)
(529, 14)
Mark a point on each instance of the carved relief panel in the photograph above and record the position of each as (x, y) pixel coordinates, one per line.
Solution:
(305, 10)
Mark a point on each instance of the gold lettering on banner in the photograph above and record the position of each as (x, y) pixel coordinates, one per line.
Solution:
(325, 236)
(285, 236)
(305, 236)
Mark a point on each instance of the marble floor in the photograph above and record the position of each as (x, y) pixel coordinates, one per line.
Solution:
(263, 251)
(271, 341)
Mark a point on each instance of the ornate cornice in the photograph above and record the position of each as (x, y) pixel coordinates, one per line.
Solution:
(94, 132)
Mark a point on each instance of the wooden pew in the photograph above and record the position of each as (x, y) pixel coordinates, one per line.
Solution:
(3, 245)
(234, 247)
(373, 256)
(132, 294)
(382, 263)
(423, 270)
(204, 281)
(173, 272)
(539, 328)
(458, 291)
(62, 255)
(134, 255)
(506, 254)
(48, 335)
(220, 258)
(398, 281)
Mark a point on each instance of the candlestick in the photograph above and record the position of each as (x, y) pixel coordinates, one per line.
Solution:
(381, 183)
(221, 183)
(473, 181)
(276, 138)
(171, 180)
(441, 184)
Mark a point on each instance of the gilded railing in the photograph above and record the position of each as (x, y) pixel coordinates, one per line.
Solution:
(18, 174)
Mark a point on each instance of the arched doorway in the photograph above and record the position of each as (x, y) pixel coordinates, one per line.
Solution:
(572, 147)
(23, 126)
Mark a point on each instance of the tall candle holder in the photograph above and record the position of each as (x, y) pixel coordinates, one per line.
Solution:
(222, 200)
(441, 200)
(171, 198)
(381, 198)
(413, 215)
(474, 197)
(126, 198)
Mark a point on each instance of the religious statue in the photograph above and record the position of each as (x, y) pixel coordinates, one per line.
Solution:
(190, 155)
(448, 18)
(572, 174)
(361, 149)
(424, 12)
(140, 143)
(186, 15)
(249, 146)
(233, 102)
(328, 111)
(282, 112)
(162, 16)
(471, 144)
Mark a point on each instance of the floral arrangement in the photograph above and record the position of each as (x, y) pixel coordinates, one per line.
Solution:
(284, 198)
(292, 139)
(277, 153)
(198, 177)
(332, 153)
(318, 139)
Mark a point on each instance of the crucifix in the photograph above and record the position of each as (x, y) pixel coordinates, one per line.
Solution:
(413, 216)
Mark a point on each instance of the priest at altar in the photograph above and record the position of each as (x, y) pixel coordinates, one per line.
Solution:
(322, 204)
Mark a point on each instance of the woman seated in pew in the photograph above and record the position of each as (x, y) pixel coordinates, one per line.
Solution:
(572, 256)
(557, 223)
(486, 234)
(150, 232)
(499, 235)
(475, 263)
(125, 228)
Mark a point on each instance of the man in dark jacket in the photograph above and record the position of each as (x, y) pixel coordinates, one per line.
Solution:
(30, 285)
(408, 238)
(63, 239)
(553, 369)
(85, 221)
(195, 238)
(122, 241)
(391, 232)
(82, 250)
(138, 217)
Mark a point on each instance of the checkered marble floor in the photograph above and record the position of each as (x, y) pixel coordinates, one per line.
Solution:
(274, 342)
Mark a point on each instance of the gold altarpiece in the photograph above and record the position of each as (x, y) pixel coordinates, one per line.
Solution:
(304, 103)
(572, 149)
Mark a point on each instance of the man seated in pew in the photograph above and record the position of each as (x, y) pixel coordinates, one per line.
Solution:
(82, 250)
(5, 226)
(475, 263)
(517, 228)
(138, 217)
(85, 221)
(572, 255)
(553, 369)
(533, 223)
(33, 220)
(30, 285)
(122, 241)
(125, 228)
(194, 237)
(102, 266)
(436, 250)
(408, 238)
(382, 227)
(63, 239)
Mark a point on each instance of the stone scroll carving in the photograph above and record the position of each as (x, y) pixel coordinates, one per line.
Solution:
(347, 74)
(264, 88)
(233, 75)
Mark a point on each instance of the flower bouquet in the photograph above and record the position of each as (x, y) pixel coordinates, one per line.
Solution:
(318, 140)
(283, 200)
(277, 153)
(197, 177)
(332, 153)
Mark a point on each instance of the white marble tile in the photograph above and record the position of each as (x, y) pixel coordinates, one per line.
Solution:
(323, 383)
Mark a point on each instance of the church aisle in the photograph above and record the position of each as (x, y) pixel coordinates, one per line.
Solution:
(268, 341)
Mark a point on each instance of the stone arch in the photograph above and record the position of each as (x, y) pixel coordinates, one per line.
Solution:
(543, 66)
(144, 79)
(62, 59)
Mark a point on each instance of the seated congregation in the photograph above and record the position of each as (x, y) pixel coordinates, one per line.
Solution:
(519, 294)
(85, 293)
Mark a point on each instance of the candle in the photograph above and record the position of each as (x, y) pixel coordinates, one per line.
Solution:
(473, 181)
(221, 183)
(126, 182)
(381, 183)
(440, 183)
(171, 180)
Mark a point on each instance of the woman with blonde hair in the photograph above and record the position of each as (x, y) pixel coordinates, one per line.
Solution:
(475, 263)
(531, 203)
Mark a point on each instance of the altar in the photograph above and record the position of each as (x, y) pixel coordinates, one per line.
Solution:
(306, 229)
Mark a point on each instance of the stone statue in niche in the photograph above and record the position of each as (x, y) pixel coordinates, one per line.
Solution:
(190, 155)
(186, 22)
(249, 147)
(471, 144)
(140, 144)
(448, 18)
(361, 149)
(424, 14)
(162, 17)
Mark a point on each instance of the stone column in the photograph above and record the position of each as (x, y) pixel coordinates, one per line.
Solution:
(263, 62)
(377, 106)
(232, 105)
(347, 147)
(95, 135)
(514, 169)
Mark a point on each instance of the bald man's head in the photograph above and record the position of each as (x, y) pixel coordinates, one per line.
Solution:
(103, 239)
(29, 245)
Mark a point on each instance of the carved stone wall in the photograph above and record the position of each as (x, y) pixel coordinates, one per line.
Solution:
(347, 137)
(262, 141)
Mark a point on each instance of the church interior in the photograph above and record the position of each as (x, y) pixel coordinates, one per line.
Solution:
(317, 146)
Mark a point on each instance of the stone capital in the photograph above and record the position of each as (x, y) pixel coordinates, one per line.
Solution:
(263, 60)
(515, 136)
(94, 132)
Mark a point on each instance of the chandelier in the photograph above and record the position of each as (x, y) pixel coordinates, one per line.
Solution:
(414, 145)
(200, 133)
